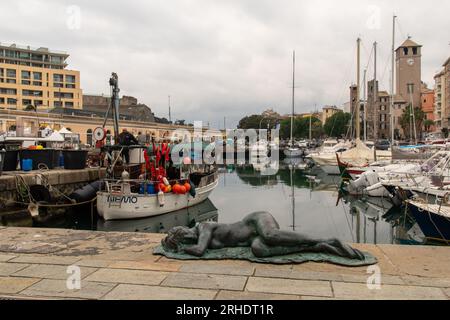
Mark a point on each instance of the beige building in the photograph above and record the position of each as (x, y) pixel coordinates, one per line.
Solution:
(442, 97)
(328, 112)
(27, 124)
(37, 77)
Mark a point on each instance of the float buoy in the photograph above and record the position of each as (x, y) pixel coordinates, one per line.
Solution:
(161, 198)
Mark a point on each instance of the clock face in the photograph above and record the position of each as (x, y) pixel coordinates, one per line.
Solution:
(410, 61)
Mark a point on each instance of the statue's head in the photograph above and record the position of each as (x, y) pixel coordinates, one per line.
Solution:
(177, 236)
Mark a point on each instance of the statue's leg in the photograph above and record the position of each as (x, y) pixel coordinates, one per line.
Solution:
(261, 250)
(269, 230)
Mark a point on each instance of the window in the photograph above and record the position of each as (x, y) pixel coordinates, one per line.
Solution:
(37, 75)
(2, 100)
(64, 95)
(70, 85)
(410, 87)
(10, 80)
(35, 93)
(11, 101)
(37, 83)
(70, 79)
(2, 72)
(10, 53)
(38, 102)
(58, 85)
(68, 104)
(26, 102)
(8, 91)
(10, 73)
(414, 51)
(25, 74)
(26, 82)
(405, 51)
(58, 78)
(57, 104)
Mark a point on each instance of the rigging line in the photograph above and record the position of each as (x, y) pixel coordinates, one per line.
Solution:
(348, 222)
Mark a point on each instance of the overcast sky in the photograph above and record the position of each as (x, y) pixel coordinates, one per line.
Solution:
(227, 58)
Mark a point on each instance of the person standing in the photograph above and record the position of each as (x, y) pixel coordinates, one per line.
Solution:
(127, 139)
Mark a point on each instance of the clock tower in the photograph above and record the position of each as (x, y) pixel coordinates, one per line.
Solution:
(409, 72)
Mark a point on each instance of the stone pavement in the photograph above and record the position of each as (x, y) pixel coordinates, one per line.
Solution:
(34, 265)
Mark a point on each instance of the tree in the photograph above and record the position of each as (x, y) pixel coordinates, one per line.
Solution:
(428, 124)
(301, 128)
(337, 125)
(257, 122)
(30, 107)
(406, 121)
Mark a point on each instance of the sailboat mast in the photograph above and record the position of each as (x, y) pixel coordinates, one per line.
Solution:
(392, 80)
(358, 84)
(375, 93)
(293, 97)
(310, 131)
(364, 104)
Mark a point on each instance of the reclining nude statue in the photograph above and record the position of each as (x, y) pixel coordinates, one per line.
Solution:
(259, 231)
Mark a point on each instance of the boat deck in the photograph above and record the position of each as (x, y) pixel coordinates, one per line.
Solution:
(116, 265)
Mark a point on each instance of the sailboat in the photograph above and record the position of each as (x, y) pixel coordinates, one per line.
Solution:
(293, 151)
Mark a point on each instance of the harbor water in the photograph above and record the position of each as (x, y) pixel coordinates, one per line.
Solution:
(308, 202)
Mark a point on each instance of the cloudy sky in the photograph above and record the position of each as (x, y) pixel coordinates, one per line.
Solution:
(227, 58)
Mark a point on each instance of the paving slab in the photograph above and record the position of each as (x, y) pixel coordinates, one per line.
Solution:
(58, 288)
(427, 281)
(147, 265)
(46, 259)
(218, 269)
(11, 285)
(48, 271)
(289, 286)
(7, 269)
(359, 291)
(247, 295)
(426, 261)
(205, 281)
(128, 276)
(6, 257)
(290, 273)
(141, 292)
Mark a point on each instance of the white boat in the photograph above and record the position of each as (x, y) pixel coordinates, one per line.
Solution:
(293, 152)
(117, 202)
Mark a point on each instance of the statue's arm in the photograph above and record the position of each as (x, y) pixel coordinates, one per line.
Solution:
(205, 235)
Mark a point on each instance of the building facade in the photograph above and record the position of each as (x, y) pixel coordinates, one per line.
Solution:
(442, 97)
(328, 112)
(37, 77)
(427, 100)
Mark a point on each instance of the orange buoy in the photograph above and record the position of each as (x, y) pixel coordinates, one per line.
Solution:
(176, 188)
(182, 190)
(187, 185)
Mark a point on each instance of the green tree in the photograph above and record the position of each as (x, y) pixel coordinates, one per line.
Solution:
(301, 128)
(257, 122)
(337, 124)
(406, 121)
(428, 124)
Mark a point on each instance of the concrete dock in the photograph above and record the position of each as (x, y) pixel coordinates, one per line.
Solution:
(37, 263)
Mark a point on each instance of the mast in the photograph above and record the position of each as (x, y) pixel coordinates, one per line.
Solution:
(358, 100)
(115, 103)
(170, 116)
(364, 104)
(310, 132)
(375, 93)
(293, 98)
(392, 81)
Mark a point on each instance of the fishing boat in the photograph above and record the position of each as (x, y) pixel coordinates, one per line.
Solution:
(163, 185)
(292, 150)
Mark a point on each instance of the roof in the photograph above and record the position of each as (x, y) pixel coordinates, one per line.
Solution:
(446, 62)
(409, 43)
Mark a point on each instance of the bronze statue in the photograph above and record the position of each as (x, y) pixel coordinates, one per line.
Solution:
(258, 230)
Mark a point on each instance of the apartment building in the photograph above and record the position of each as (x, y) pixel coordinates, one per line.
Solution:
(37, 77)
(442, 97)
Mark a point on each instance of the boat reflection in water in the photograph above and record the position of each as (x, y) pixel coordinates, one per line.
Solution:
(372, 218)
(205, 211)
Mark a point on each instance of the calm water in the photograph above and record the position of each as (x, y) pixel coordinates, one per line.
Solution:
(306, 202)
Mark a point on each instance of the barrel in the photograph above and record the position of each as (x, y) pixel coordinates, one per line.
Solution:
(75, 159)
